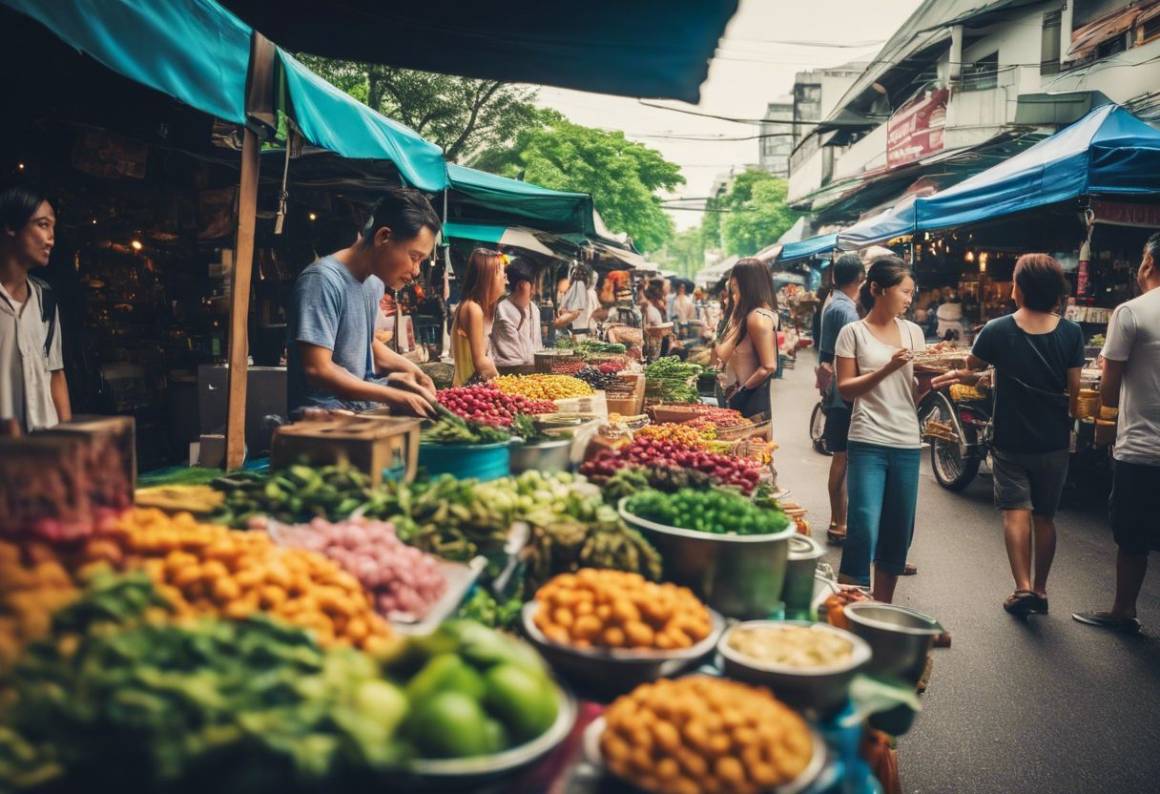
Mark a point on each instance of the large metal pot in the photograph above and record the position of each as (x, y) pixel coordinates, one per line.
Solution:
(900, 638)
(554, 455)
(822, 688)
(740, 576)
(798, 594)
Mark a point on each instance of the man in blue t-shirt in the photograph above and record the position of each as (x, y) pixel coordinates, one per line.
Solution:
(848, 273)
(333, 359)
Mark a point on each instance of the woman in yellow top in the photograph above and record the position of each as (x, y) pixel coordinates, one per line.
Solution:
(483, 286)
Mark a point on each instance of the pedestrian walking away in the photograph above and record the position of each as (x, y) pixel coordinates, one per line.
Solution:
(1038, 358)
(1130, 391)
(875, 372)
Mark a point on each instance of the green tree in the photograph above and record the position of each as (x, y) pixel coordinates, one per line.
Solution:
(460, 114)
(684, 253)
(623, 177)
(754, 213)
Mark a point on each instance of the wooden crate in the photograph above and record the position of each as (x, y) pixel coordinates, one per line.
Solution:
(629, 400)
(118, 432)
(370, 443)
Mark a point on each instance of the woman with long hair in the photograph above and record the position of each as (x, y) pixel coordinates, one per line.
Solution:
(875, 372)
(483, 286)
(749, 348)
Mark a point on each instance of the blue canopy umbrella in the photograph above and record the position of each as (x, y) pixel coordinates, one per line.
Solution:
(1109, 151)
(894, 222)
(808, 247)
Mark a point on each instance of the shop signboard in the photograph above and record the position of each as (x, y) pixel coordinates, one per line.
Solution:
(916, 129)
(1124, 213)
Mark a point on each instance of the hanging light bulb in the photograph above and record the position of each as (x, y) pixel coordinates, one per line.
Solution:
(136, 245)
(313, 217)
(970, 257)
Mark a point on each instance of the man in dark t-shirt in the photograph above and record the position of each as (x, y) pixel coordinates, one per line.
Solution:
(1038, 357)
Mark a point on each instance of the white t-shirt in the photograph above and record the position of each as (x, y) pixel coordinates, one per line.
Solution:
(25, 370)
(1134, 338)
(885, 415)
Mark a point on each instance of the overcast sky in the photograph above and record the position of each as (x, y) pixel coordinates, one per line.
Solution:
(752, 67)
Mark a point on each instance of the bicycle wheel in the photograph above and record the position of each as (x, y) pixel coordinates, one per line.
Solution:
(954, 463)
(818, 428)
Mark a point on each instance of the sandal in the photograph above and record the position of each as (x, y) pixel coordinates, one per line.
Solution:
(1040, 605)
(1020, 603)
(909, 570)
(1106, 620)
(833, 537)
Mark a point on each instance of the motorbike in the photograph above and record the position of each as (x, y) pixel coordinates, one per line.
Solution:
(957, 422)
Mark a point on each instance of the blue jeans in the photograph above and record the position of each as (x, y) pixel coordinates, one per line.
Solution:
(882, 484)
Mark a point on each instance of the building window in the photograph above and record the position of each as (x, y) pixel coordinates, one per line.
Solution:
(1049, 59)
(1112, 46)
(983, 74)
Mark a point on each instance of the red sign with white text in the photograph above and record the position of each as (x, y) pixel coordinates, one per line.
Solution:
(916, 129)
(1123, 213)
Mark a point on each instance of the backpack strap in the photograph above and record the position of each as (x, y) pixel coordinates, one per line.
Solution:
(48, 304)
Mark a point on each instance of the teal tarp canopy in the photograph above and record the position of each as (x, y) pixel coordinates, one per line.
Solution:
(192, 50)
(519, 203)
(332, 119)
(802, 249)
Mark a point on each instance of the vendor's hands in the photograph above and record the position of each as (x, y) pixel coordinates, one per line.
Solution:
(410, 403)
(411, 381)
(947, 379)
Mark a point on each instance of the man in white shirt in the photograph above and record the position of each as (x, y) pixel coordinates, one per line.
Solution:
(516, 334)
(1131, 387)
(33, 388)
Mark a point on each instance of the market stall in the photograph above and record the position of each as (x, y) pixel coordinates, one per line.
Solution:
(358, 593)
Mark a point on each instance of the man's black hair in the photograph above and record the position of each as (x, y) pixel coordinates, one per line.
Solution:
(17, 206)
(1152, 248)
(848, 269)
(403, 210)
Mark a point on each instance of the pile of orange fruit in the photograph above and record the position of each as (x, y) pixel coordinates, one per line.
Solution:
(702, 734)
(34, 584)
(615, 609)
(686, 435)
(206, 569)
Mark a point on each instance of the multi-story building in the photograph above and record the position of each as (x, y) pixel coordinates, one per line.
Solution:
(777, 136)
(963, 85)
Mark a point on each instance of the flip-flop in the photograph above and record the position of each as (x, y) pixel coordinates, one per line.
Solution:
(835, 538)
(1106, 620)
(1020, 603)
(1040, 606)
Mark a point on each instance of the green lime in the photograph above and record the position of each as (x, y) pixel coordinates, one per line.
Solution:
(445, 673)
(525, 702)
(449, 725)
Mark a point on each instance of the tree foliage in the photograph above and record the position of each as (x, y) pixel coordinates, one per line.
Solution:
(684, 253)
(753, 214)
(623, 177)
(460, 114)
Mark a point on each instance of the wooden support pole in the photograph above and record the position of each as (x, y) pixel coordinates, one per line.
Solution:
(239, 348)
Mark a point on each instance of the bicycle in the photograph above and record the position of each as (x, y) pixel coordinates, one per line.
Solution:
(818, 428)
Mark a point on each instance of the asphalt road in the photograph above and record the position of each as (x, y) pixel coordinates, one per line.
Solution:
(1048, 705)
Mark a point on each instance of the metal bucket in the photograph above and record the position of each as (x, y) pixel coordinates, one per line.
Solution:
(798, 594)
(740, 576)
(899, 637)
(552, 455)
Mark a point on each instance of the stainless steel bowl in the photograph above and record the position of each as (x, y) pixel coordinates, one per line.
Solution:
(823, 689)
(798, 593)
(612, 671)
(471, 774)
(593, 757)
(900, 638)
(740, 576)
(554, 455)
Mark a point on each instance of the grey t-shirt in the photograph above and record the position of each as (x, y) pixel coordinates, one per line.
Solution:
(332, 309)
(1134, 338)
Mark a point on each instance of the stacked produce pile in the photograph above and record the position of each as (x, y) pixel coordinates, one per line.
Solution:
(206, 569)
(716, 511)
(686, 435)
(701, 734)
(739, 472)
(296, 495)
(34, 583)
(453, 430)
(670, 380)
(402, 581)
(488, 405)
(542, 387)
(598, 378)
(590, 346)
(611, 609)
(120, 697)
